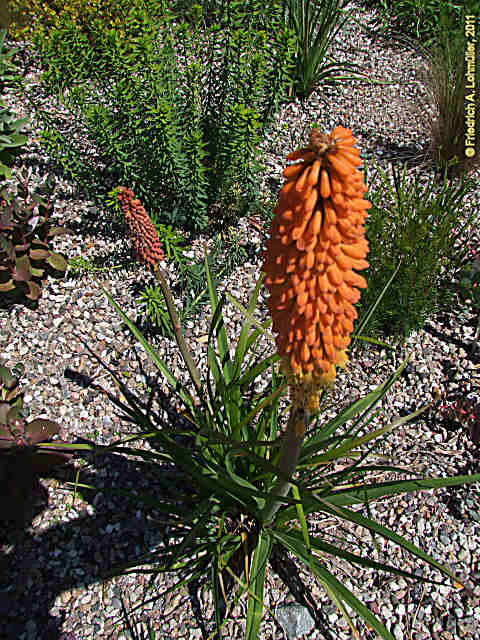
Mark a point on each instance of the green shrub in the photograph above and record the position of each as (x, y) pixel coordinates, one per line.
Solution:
(416, 19)
(11, 137)
(173, 110)
(420, 228)
(30, 18)
(25, 233)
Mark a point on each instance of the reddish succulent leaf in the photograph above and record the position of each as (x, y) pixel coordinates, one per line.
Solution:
(37, 272)
(39, 254)
(34, 290)
(6, 286)
(22, 275)
(57, 261)
(22, 269)
(4, 409)
(40, 430)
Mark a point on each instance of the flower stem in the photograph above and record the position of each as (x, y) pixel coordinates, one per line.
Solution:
(292, 442)
(177, 329)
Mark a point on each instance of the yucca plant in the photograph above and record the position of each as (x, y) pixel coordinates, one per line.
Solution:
(315, 24)
(254, 466)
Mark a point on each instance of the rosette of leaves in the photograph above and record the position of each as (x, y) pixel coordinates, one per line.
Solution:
(21, 456)
(26, 257)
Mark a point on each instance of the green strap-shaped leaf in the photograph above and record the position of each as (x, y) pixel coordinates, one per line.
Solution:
(342, 450)
(243, 338)
(221, 333)
(353, 516)
(320, 545)
(385, 489)
(364, 404)
(331, 583)
(257, 581)
(171, 379)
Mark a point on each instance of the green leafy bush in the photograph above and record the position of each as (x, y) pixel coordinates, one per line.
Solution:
(175, 111)
(11, 137)
(416, 19)
(25, 232)
(21, 457)
(35, 18)
(421, 229)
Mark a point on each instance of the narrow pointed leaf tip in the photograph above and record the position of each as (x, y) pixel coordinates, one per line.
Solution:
(317, 245)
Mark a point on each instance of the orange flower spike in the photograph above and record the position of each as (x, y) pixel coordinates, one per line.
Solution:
(318, 230)
(144, 235)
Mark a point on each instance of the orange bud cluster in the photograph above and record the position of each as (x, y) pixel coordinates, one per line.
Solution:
(144, 236)
(317, 242)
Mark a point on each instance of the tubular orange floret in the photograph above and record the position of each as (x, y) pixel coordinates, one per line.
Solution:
(317, 244)
(144, 235)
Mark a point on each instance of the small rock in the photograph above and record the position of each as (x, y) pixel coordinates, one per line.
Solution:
(295, 620)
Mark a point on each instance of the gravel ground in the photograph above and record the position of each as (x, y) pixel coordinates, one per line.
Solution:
(51, 581)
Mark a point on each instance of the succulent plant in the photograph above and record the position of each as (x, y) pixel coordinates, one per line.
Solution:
(21, 460)
(25, 256)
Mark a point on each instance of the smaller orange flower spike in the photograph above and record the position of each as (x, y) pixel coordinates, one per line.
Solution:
(317, 244)
(144, 236)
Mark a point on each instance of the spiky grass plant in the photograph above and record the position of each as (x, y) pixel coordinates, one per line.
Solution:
(244, 489)
(450, 100)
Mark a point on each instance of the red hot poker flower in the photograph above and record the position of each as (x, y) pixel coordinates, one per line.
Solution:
(144, 236)
(316, 246)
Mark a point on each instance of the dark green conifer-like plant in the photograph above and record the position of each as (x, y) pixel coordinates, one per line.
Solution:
(12, 136)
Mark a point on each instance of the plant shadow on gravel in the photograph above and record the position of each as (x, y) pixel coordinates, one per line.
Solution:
(87, 549)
